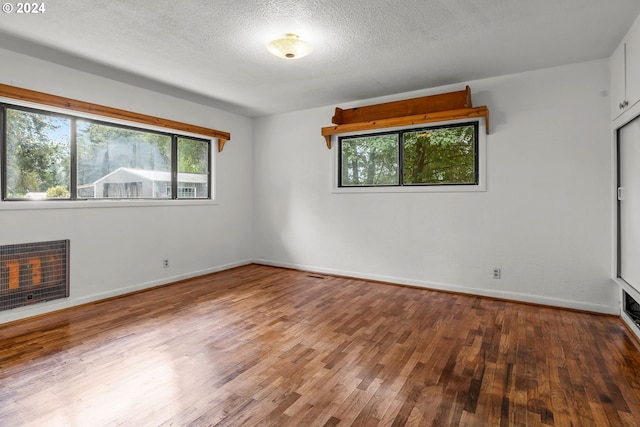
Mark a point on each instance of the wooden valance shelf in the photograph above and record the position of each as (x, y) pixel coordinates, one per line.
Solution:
(114, 113)
(416, 111)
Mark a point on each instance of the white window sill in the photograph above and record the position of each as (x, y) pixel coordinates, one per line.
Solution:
(19, 205)
(411, 189)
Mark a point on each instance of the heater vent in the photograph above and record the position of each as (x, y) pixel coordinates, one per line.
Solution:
(33, 272)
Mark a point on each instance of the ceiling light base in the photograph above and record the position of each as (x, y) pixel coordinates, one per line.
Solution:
(290, 46)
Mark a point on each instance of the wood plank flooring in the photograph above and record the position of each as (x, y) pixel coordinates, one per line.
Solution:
(263, 346)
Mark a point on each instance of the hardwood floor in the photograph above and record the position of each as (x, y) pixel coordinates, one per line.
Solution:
(263, 346)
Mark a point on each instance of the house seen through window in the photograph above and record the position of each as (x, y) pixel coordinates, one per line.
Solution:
(55, 156)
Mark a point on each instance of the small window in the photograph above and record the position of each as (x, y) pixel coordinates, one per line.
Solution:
(436, 156)
(432, 156)
(37, 156)
(193, 168)
(370, 160)
(187, 193)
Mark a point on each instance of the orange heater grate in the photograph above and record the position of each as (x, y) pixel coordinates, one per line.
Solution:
(33, 272)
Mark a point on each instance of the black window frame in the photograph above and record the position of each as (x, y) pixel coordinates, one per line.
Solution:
(400, 133)
(73, 184)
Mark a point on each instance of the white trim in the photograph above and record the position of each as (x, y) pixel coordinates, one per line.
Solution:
(24, 312)
(492, 293)
(482, 163)
(19, 313)
(25, 205)
(628, 116)
(614, 205)
(635, 294)
(624, 286)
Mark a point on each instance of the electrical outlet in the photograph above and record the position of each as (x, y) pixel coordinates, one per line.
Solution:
(497, 273)
(165, 263)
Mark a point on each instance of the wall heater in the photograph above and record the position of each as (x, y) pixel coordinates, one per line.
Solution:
(33, 272)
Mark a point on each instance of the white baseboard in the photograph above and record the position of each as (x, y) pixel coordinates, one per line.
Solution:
(47, 307)
(512, 296)
(24, 312)
(161, 282)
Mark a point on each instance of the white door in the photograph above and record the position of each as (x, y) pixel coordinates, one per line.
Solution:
(629, 203)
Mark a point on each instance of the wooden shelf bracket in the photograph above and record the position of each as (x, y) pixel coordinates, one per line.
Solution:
(429, 109)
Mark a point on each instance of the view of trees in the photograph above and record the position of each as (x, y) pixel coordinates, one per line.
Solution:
(39, 145)
(37, 153)
(439, 156)
(429, 156)
(191, 153)
(57, 192)
(370, 160)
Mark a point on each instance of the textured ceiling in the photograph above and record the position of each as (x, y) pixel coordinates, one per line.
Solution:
(213, 52)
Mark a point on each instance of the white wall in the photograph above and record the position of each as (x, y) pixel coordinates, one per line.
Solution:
(545, 218)
(120, 249)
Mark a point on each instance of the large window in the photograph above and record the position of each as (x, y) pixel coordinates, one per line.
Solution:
(55, 156)
(431, 156)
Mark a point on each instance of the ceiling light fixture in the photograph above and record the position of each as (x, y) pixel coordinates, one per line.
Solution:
(290, 46)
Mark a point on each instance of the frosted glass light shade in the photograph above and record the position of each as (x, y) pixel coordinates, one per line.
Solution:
(289, 47)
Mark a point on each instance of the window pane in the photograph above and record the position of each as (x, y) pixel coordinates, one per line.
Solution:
(116, 162)
(193, 168)
(369, 160)
(440, 156)
(38, 160)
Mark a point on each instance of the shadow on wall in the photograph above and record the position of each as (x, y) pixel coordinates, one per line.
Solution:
(496, 117)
